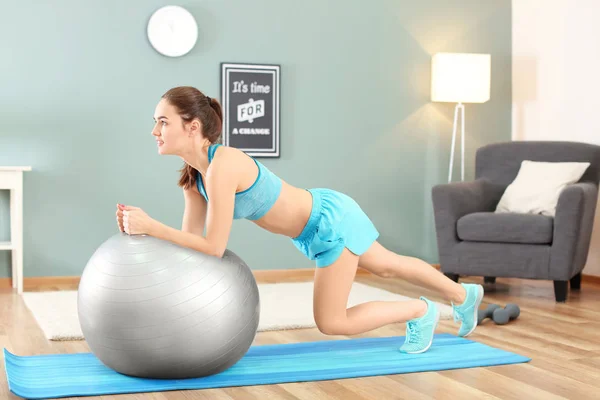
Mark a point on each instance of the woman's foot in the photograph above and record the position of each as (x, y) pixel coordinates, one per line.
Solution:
(466, 312)
(420, 331)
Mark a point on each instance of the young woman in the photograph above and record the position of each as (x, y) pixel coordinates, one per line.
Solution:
(221, 183)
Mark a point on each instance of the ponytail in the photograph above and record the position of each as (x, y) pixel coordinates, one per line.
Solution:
(188, 176)
(216, 106)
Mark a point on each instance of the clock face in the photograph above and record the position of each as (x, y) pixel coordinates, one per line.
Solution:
(172, 31)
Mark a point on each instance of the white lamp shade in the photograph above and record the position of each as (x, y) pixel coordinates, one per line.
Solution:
(460, 77)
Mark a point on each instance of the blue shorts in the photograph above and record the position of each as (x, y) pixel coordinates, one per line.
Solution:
(336, 221)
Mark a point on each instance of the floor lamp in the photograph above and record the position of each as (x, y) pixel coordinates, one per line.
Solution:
(460, 78)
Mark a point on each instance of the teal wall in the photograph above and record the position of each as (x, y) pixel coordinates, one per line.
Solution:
(80, 83)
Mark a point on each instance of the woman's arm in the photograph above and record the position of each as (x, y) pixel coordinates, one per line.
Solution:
(186, 239)
(194, 214)
(221, 184)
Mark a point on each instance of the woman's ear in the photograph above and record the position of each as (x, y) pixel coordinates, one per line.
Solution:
(195, 127)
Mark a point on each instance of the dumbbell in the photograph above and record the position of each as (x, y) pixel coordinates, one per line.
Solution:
(498, 314)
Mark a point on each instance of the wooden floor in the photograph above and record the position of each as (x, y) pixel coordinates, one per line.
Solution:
(563, 341)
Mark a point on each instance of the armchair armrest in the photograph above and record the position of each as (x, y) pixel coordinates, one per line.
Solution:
(451, 201)
(573, 223)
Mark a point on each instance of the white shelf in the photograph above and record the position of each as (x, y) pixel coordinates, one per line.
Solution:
(11, 177)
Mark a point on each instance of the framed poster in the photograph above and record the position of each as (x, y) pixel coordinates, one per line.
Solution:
(250, 99)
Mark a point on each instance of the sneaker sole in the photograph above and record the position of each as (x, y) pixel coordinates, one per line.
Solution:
(476, 309)
(437, 320)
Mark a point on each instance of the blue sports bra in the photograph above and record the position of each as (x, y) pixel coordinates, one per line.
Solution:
(255, 201)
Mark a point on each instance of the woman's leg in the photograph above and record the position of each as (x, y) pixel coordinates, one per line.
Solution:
(332, 285)
(383, 262)
(465, 298)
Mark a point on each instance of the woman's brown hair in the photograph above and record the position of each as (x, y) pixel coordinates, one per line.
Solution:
(191, 103)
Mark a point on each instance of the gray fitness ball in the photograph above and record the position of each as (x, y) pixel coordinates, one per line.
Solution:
(152, 309)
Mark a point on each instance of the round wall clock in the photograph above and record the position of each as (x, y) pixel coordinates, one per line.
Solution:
(172, 31)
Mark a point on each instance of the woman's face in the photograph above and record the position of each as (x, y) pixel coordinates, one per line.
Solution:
(172, 135)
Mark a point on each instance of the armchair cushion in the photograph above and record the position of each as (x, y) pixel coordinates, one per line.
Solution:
(537, 186)
(505, 228)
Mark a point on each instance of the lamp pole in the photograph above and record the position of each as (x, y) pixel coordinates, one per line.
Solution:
(460, 106)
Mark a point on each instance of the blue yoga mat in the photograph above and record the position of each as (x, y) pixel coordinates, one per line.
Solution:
(82, 374)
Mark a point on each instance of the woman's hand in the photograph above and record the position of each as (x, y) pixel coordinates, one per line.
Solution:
(136, 221)
(119, 215)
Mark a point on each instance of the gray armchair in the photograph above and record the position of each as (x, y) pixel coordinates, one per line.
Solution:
(475, 241)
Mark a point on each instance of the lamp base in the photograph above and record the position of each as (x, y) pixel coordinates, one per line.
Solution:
(459, 107)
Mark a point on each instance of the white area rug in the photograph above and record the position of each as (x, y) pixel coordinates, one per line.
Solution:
(283, 306)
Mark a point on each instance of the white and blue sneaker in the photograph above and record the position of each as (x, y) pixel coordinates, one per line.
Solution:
(466, 312)
(420, 331)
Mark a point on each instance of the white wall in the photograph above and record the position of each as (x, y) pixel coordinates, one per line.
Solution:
(556, 78)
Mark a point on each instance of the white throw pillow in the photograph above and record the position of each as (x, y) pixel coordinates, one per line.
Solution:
(538, 185)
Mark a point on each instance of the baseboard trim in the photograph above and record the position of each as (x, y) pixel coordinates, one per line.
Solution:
(41, 281)
(261, 276)
(590, 278)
